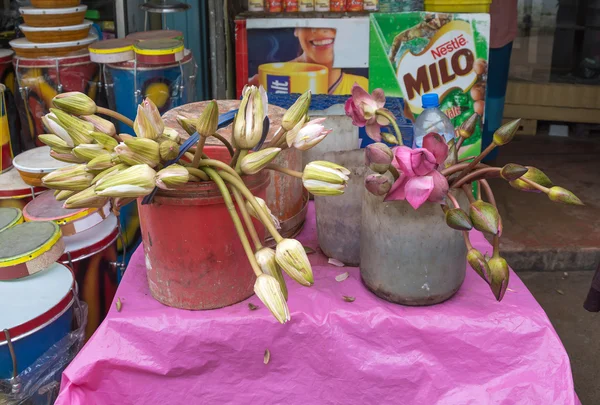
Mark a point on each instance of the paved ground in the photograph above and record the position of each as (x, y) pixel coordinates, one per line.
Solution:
(542, 240)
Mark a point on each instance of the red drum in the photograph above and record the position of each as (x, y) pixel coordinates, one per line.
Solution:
(14, 192)
(41, 79)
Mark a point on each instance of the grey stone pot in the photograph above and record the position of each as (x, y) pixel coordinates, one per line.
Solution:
(338, 217)
(408, 256)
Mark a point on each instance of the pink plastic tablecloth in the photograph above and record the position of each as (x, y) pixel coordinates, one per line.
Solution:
(468, 350)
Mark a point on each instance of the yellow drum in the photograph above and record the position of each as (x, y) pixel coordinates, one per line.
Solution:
(294, 77)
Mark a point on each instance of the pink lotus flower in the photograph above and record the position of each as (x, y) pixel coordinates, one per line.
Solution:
(362, 107)
(420, 179)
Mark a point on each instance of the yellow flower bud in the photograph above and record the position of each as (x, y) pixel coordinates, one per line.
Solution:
(268, 290)
(75, 103)
(255, 162)
(290, 255)
(172, 177)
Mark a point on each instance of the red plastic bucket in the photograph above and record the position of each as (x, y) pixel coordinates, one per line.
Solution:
(194, 258)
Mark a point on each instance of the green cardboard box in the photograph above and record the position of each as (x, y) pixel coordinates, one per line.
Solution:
(414, 53)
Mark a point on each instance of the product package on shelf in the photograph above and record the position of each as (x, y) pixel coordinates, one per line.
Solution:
(412, 54)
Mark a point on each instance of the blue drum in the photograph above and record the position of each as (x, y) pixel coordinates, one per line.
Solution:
(37, 312)
(167, 85)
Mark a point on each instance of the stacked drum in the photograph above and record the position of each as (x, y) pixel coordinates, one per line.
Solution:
(151, 64)
(52, 59)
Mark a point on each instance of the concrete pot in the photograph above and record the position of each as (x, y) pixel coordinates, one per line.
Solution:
(408, 256)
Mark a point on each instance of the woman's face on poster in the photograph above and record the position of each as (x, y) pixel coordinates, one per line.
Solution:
(317, 44)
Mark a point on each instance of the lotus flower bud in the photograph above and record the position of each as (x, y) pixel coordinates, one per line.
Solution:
(101, 125)
(535, 175)
(290, 255)
(485, 217)
(78, 130)
(171, 134)
(61, 195)
(477, 261)
(65, 157)
(562, 195)
(499, 275)
(172, 177)
(74, 178)
(468, 127)
(143, 151)
(268, 290)
(88, 152)
(265, 258)
(126, 137)
(53, 141)
(297, 112)
(111, 170)
(148, 123)
(168, 150)
(108, 142)
(255, 162)
(389, 138)
(65, 151)
(207, 123)
(512, 171)
(458, 219)
(248, 122)
(85, 199)
(506, 132)
(187, 124)
(137, 181)
(306, 135)
(378, 184)
(52, 125)
(75, 103)
(102, 162)
(378, 157)
(325, 178)
(265, 208)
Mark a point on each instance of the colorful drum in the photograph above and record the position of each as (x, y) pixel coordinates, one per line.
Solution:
(112, 51)
(41, 79)
(6, 153)
(34, 164)
(37, 312)
(168, 86)
(92, 255)
(159, 51)
(28, 248)
(14, 192)
(156, 34)
(71, 221)
(9, 217)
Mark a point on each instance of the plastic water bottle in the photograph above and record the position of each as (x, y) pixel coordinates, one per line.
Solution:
(432, 119)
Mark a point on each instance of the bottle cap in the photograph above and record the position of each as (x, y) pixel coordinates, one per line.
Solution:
(430, 100)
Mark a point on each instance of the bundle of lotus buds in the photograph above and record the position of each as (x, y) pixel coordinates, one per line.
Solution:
(117, 168)
(434, 173)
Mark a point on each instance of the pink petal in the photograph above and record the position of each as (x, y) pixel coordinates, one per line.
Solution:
(358, 119)
(422, 161)
(397, 192)
(402, 160)
(440, 187)
(437, 145)
(360, 96)
(379, 97)
(418, 190)
(374, 131)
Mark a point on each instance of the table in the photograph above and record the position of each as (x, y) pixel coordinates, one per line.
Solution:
(468, 350)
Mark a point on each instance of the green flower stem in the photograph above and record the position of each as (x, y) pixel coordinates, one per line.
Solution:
(234, 158)
(457, 147)
(235, 218)
(392, 121)
(247, 219)
(198, 153)
(476, 175)
(285, 170)
(197, 172)
(467, 190)
(394, 172)
(238, 164)
(225, 142)
(535, 185)
(276, 138)
(259, 211)
(475, 161)
(114, 114)
(496, 244)
(220, 165)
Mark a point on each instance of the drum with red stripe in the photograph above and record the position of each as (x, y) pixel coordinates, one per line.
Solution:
(14, 192)
(37, 312)
(90, 238)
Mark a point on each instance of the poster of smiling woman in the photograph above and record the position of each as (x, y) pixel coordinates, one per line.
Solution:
(292, 55)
